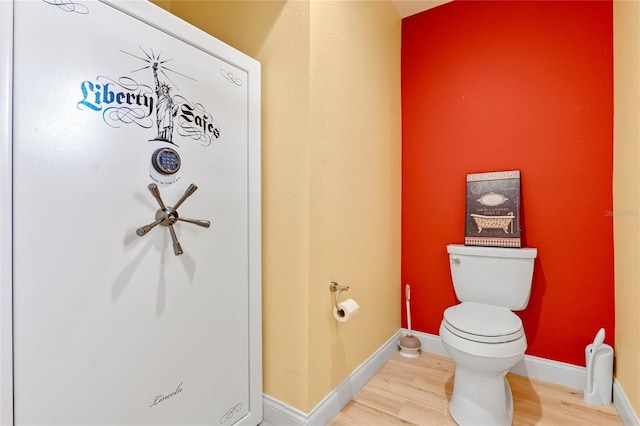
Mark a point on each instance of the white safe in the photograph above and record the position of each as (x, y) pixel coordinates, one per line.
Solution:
(130, 237)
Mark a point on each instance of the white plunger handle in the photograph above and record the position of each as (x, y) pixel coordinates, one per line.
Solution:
(408, 295)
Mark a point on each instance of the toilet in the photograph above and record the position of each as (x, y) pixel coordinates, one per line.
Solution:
(481, 333)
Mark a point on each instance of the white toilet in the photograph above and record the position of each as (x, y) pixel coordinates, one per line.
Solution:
(482, 334)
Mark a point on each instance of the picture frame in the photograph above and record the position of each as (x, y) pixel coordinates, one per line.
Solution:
(493, 209)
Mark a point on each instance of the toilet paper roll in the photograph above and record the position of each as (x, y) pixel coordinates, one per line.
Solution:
(345, 310)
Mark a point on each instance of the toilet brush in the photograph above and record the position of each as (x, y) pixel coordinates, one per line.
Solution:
(590, 361)
(409, 344)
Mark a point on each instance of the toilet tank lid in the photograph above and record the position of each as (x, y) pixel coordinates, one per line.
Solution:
(522, 253)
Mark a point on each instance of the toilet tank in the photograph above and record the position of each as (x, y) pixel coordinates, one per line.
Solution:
(492, 275)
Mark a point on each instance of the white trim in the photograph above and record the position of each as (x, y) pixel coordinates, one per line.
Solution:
(6, 213)
(623, 406)
(431, 343)
(278, 413)
(556, 372)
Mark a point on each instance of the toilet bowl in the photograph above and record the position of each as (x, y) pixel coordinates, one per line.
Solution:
(482, 334)
(481, 394)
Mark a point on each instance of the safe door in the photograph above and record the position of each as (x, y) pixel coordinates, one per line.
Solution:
(135, 208)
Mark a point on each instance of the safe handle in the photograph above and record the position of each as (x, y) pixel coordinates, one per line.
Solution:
(168, 216)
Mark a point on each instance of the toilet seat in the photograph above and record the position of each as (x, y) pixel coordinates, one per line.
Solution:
(482, 323)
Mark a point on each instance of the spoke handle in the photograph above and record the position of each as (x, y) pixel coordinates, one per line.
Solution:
(199, 222)
(190, 190)
(153, 188)
(142, 231)
(168, 216)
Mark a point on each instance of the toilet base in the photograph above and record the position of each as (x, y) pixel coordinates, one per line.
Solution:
(474, 404)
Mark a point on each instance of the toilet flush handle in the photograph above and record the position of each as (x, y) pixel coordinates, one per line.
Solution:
(455, 260)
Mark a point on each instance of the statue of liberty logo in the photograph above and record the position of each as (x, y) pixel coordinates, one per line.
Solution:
(166, 108)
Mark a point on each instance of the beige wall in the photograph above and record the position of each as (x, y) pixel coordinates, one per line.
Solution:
(626, 195)
(356, 183)
(331, 140)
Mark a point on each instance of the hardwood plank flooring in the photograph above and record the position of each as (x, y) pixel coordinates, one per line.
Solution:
(416, 391)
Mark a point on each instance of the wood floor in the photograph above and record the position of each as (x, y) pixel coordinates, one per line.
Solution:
(415, 391)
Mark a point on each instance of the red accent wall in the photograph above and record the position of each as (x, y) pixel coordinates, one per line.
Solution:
(504, 85)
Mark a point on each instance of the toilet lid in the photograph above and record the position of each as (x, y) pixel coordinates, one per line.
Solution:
(483, 323)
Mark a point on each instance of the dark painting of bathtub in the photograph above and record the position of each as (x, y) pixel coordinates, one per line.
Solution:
(493, 209)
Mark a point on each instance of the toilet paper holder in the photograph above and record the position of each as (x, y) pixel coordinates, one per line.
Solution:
(334, 286)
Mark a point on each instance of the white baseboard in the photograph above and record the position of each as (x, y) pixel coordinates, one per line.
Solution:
(623, 406)
(556, 372)
(278, 413)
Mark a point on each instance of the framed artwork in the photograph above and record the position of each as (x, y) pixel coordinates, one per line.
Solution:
(493, 209)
